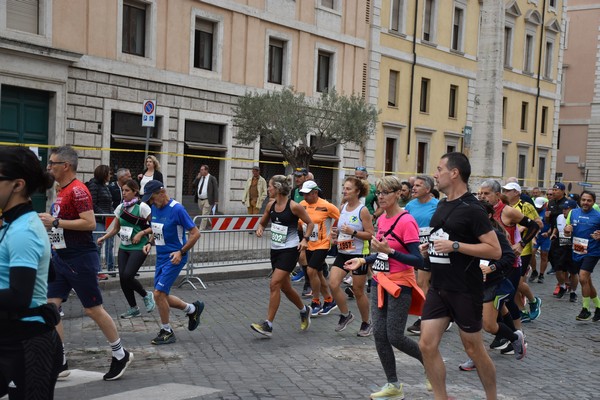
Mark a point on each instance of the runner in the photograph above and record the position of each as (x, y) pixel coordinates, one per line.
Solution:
(319, 210)
(422, 207)
(566, 268)
(132, 219)
(461, 235)
(284, 214)
(583, 225)
(541, 243)
(396, 292)
(30, 348)
(76, 260)
(352, 234)
(170, 220)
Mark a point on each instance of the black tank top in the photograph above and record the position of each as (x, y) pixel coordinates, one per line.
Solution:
(288, 219)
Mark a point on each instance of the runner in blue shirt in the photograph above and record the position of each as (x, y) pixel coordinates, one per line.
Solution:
(169, 222)
(583, 225)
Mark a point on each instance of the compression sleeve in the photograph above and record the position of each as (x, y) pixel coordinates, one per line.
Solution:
(532, 229)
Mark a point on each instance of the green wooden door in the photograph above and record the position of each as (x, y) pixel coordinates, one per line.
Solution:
(24, 119)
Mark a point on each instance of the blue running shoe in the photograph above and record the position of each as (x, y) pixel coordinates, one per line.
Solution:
(535, 309)
(328, 306)
(315, 307)
(297, 276)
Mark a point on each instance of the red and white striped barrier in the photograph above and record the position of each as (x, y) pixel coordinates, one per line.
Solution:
(229, 223)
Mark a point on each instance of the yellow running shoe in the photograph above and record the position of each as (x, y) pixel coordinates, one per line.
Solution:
(389, 391)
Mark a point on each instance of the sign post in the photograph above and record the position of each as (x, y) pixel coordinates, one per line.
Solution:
(148, 119)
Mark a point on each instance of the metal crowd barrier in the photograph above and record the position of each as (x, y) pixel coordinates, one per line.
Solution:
(226, 240)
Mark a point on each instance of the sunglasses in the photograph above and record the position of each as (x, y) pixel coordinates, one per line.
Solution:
(363, 169)
(384, 193)
(51, 163)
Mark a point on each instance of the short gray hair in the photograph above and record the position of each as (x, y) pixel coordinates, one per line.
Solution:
(427, 180)
(492, 184)
(121, 172)
(66, 154)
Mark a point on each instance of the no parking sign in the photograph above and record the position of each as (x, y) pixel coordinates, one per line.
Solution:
(149, 113)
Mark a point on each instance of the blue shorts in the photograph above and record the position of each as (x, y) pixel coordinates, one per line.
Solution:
(166, 272)
(542, 243)
(79, 273)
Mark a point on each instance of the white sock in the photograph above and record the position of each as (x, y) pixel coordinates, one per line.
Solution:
(189, 309)
(117, 349)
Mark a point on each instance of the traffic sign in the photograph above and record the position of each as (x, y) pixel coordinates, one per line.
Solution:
(149, 113)
(585, 184)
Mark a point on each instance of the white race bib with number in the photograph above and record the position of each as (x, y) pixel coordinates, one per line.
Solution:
(157, 230)
(424, 233)
(57, 238)
(314, 235)
(580, 245)
(381, 264)
(345, 242)
(278, 235)
(434, 256)
(125, 234)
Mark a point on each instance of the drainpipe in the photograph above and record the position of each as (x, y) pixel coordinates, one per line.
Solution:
(412, 80)
(537, 94)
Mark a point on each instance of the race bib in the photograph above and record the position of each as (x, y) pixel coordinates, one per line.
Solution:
(434, 256)
(563, 240)
(345, 242)
(424, 234)
(125, 234)
(157, 230)
(57, 238)
(314, 236)
(382, 263)
(580, 245)
(278, 235)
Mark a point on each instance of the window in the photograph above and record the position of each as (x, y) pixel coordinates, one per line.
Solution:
(203, 44)
(503, 163)
(397, 18)
(275, 73)
(552, 4)
(428, 20)
(452, 101)
(204, 132)
(393, 89)
(457, 29)
(134, 28)
(521, 168)
(504, 104)
(23, 15)
(544, 124)
(323, 71)
(528, 63)
(327, 3)
(421, 157)
(548, 60)
(424, 101)
(524, 111)
(541, 171)
(390, 156)
(508, 46)
(450, 149)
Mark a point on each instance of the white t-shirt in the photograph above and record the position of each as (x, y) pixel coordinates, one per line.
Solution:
(145, 179)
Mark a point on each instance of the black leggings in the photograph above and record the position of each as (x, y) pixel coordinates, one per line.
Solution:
(32, 364)
(130, 262)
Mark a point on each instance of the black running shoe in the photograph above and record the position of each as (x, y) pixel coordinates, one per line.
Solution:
(561, 292)
(118, 367)
(195, 316)
(415, 328)
(584, 315)
(164, 337)
(499, 343)
(596, 316)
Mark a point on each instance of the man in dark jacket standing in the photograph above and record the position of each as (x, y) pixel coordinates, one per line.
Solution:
(123, 175)
(207, 193)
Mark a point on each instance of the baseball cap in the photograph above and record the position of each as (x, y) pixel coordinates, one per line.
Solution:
(540, 201)
(512, 186)
(301, 171)
(151, 187)
(309, 186)
(559, 185)
(568, 204)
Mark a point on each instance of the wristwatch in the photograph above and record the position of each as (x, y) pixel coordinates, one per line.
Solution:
(354, 233)
(455, 246)
(493, 267)
(183, 253)
(55, 222)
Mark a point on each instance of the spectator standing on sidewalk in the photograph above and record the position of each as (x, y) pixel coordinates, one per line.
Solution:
(354, 230)
(102, 201)
(76, 260)
(370, 200)
(461, 235)
(116, 187)
(151, 172)
(284, 214)
(395, 292)
(583, 226)
(255, 191)
(169, 222)
(132, 218)
(207, 193)
(30, 348)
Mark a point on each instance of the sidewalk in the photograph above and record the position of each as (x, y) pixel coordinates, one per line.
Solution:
(224, 359)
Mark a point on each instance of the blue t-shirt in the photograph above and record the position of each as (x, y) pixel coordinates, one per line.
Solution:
(584, 224)
(169, 225)
(422, 212)
(25, 244)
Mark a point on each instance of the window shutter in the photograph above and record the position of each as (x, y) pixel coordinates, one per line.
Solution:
(23, 15)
